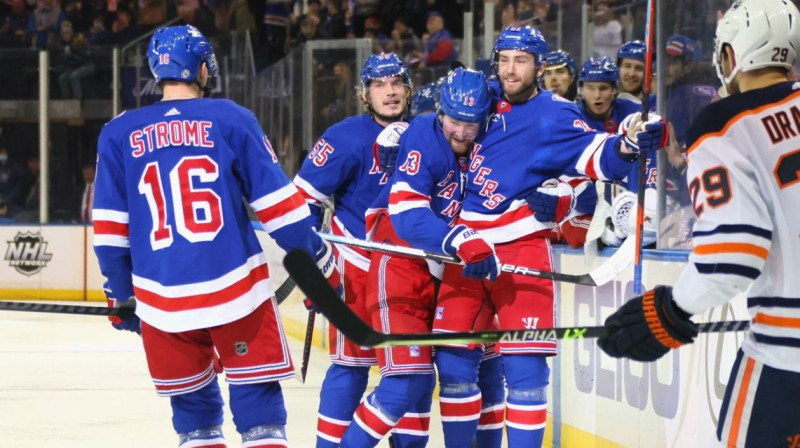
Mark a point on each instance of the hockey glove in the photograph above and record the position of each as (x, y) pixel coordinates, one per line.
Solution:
(552, 201)
(641, 136)
(124, 317)
(310, 305)
(387, 145)
(646, 327)
(326, 262)
(479, 257)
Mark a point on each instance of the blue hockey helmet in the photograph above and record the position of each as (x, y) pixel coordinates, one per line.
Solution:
(633, 49)
(681, 46)
(465, 96)
(426, 98)
(176, 52)
(523, 38)
(599, 70)
(559, 58)
(384, 65)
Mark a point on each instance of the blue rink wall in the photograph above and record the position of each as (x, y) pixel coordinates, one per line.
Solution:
(595, 401)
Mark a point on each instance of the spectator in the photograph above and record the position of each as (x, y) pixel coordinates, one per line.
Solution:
(98, 34)
(333, 24)
(198, 14)
(151, 13)
(440, 50)
(75, 62)
(372, 30)
(87, 199)
(44, 23)
(5, 217)
(240, 17)
(508, 15)
(276, 29)
(607, 31)
(26, 196)
(9, 173)
(73, 13)
(13, 32)
(122, 31)
(403, 39)
(308, 30)
(685, 96)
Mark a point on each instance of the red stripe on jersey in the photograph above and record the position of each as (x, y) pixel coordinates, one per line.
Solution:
(462, 408)
(506, 218)
(414, 423)
(590, 167)
(527, 416)
(331, 429)
(210, 299)
(281, 208)
(396, 197)
(110, 228)
(367, 415)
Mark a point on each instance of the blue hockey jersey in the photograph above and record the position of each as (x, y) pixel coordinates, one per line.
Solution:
(341, 165)
(620, 108)
(426, 189)
(527, 144)
(170, 225)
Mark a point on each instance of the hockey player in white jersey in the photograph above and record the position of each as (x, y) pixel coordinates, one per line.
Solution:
(744, 178)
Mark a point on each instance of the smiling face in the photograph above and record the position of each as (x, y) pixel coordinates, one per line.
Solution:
(388, 98)
(518, 73)
(557, 80)
(598, 97)
(631, 75)
(460, 134)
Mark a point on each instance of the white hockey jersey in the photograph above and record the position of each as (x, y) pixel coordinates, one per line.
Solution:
(744, 180)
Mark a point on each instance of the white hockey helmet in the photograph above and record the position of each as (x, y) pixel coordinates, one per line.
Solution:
(762, 33)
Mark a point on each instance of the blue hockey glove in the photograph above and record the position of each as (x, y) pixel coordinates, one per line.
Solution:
(551, 202)
(645, 328)
(387, 145)
(641, 136)
(124, 317)
(479, 257)
(326, 262)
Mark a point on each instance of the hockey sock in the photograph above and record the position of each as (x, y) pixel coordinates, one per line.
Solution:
(265, 436)
(198, 410)
(203, 438)
(412, 431)
(526, 406)
(459, 395)
(493, 394)
(257, 405)
(339, 397)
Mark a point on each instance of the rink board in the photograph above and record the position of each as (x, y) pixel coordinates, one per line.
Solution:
(596, 401)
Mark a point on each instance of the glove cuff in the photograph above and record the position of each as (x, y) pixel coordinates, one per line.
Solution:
(669, 323)
(326, 262)
(456, 237)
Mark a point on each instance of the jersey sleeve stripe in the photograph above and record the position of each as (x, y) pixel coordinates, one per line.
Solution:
(738, 117)
(735, 228)
(100, 214)
(110, 228)
(728, 268)
(279, 196)
(777, 321)
(308, 191)
(296, 215)
(111, 240)
(732, 248)
(589, 161)
(783, 302)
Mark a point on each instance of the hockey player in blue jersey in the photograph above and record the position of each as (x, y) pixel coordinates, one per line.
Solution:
(424, 100)
(631, 58)
(560, 74)
(598, 85)
(171, 230)
(744, 176)
(417, 209)
(341, 166)
(533, 136)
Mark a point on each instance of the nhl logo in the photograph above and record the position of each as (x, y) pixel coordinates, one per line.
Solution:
(240, 347)
(27, 253)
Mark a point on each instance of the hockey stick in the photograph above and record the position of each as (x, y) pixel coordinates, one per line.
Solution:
(601, 275)
(311, 281)
(123, 311)
(648, 76)
(307, 345)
